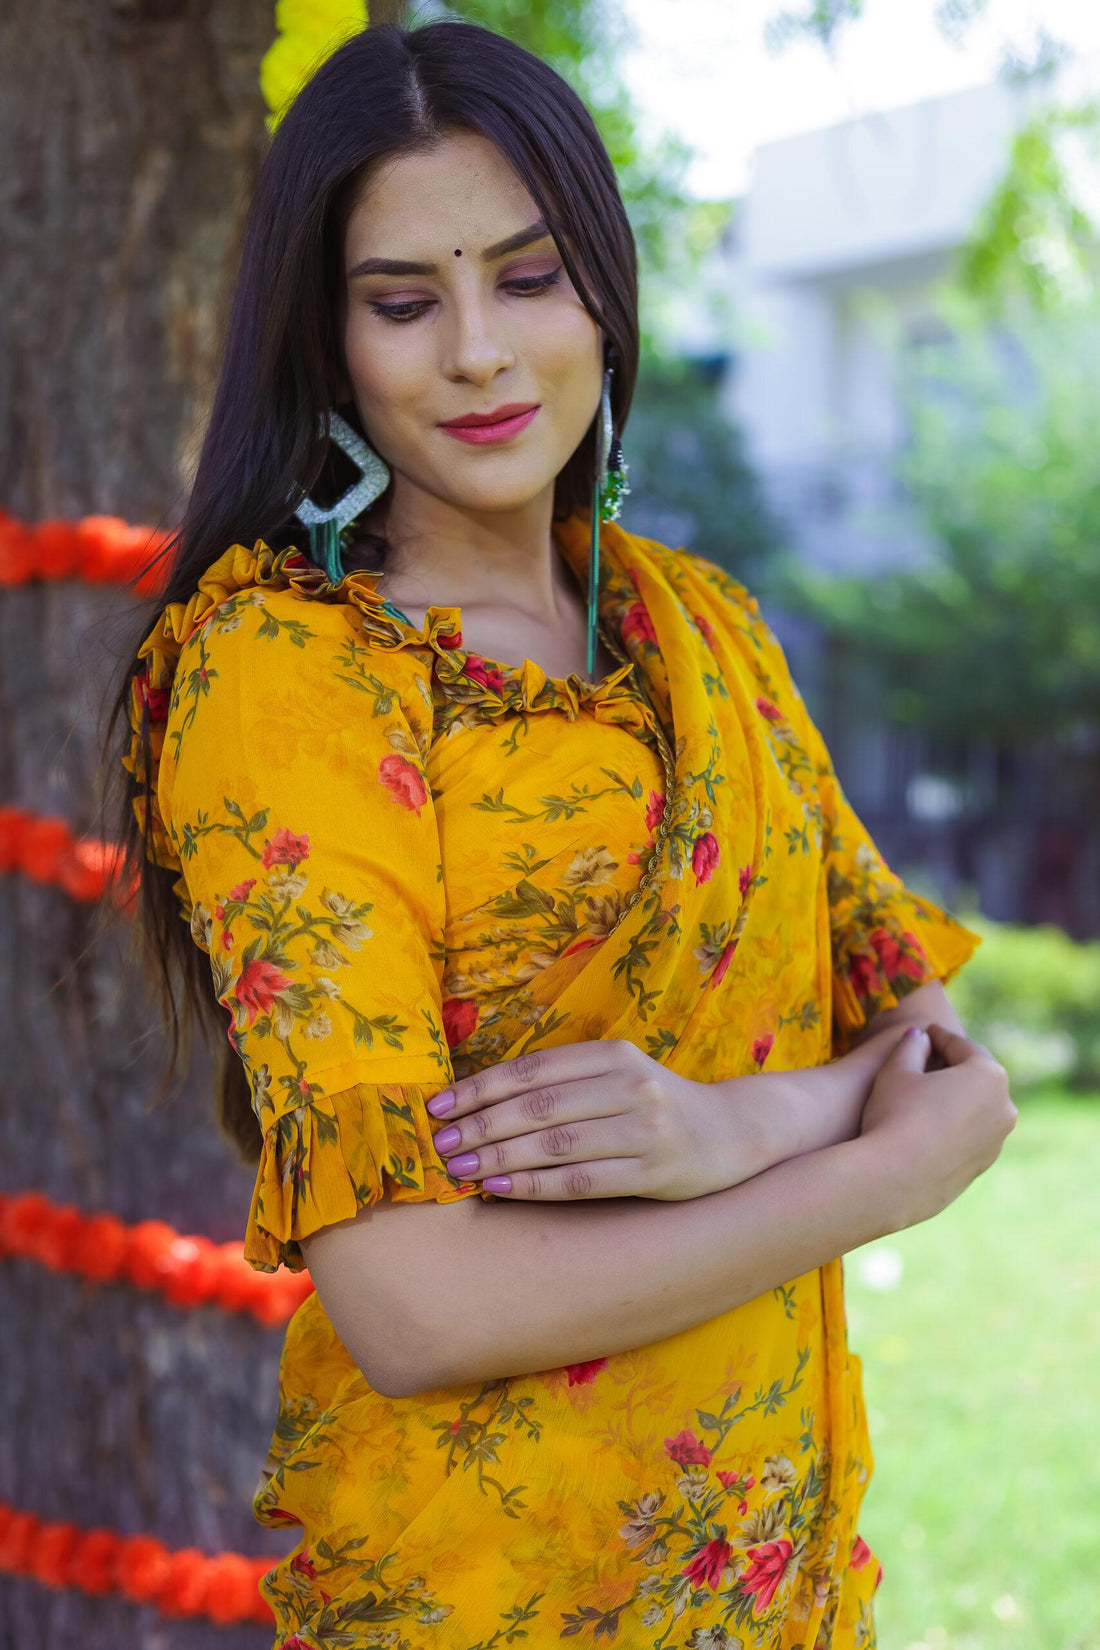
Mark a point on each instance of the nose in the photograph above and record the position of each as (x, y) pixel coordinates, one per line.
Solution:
(476, 347)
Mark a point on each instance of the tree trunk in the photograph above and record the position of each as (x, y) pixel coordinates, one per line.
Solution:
(132, 130)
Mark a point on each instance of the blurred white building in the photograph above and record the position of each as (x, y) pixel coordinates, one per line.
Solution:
(831, 262)
(832, 259)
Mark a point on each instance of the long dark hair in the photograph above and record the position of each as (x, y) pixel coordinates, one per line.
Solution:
(387, 90)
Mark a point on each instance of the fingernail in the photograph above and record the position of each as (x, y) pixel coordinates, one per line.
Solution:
(464, 1163)
(442, 1104)
(497, 1183)
(916, 1031)
(447, 1138)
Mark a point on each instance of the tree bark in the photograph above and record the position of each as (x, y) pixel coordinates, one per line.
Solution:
(132, 132)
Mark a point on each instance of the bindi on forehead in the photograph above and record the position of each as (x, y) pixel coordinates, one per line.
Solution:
(458, 252)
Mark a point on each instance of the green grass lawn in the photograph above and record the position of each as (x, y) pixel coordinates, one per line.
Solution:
(982, 1380)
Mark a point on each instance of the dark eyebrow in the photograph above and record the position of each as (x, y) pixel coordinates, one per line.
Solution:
(401, 266)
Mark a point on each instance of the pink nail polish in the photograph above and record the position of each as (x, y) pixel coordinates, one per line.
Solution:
(442, 1104)
(497, 1183)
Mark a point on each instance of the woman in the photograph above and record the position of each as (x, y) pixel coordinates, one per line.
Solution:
(617, 909)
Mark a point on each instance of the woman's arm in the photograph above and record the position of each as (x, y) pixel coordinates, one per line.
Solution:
(427, 1295)
(791, 1112)
(929, 1004)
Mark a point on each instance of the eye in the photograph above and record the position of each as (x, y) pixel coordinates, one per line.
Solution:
(526, 286)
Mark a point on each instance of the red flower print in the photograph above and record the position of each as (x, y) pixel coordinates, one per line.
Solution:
(591, 939)
(404, 782)
(296, 559)
(454, 639)
(722, 964)
(259, 985)
(878, 1580)
(488, 675)
(860, 1553)
(227, 939)
(727, 1478)
(157, 700)
(455, 1426)
(580, 1374)
(744, 878)
(764, 1572)
(704, 856)
(893, 959)
(459, 1019)
(705, 1569)
(742, 1508)
(294, 1643)
(686, 1450)
(766, 708)
(304, 1564)
(241, 892)
(865, 977)
(655, 810)
(637, 623)
(762, 1048)
(707, 629)
(285, 848)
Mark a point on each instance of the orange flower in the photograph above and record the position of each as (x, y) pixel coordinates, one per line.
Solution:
(404, 781)
(259, 984)
(764, 1572)
(705, 1569)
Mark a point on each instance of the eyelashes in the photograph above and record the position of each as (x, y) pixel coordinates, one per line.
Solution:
(525, 286)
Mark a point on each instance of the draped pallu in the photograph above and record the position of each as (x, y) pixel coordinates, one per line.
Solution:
(419, 881)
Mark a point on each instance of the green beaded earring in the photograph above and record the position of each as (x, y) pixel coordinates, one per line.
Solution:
(609, 489)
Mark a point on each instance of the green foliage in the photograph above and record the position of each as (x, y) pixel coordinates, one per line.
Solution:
(1032, 995)
(996, 632)
(690, 482)
(821, 20)
(1033, 237)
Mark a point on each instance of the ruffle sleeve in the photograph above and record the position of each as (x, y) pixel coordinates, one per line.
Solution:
(324, 1162)
(885, 939)
(292, 789)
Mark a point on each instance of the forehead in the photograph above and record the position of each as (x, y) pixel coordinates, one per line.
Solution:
(460, 192)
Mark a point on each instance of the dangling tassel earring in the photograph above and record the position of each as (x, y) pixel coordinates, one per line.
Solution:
(609, 488)
(327, 526)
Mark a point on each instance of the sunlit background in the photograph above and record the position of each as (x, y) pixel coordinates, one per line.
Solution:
(897, 313)
(870, 389)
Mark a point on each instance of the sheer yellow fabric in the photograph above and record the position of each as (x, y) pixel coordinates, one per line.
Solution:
(407, 862)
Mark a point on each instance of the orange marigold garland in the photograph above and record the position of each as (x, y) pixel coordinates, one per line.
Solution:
(43, 847)
(97, 549)
(188, 1271)
(184, 1582)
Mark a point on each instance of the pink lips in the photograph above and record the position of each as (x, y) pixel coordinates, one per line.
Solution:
(505, 424)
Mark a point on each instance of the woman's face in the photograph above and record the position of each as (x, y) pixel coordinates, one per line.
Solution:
(447, 319)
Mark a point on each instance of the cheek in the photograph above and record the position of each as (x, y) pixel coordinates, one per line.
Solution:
(385, 363)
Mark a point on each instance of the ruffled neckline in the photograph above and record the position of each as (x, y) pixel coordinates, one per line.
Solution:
(458, 675)
(467, 677)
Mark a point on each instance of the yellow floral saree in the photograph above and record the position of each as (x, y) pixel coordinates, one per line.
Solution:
(407, 862)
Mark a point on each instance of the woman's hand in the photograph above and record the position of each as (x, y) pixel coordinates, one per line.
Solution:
(593, 1120)
(602, 1119)
(935, 1124)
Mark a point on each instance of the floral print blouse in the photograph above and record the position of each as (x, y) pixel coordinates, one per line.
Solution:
(386, 844)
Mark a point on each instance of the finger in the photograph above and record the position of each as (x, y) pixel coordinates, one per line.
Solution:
(572, 1182)
(955, 1047)
(588, 1142)
(540, 1068)
(523, 1114)
(910, 1052)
